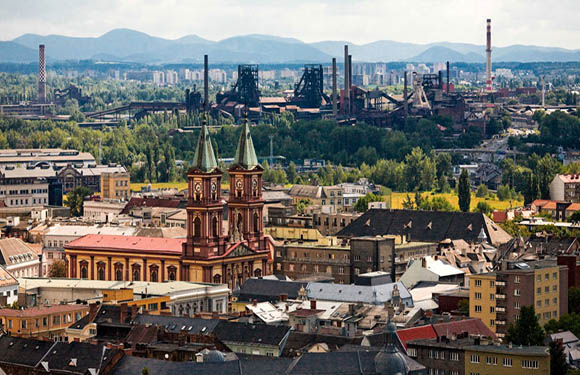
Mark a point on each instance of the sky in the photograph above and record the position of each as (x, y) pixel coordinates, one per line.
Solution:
(537, 22)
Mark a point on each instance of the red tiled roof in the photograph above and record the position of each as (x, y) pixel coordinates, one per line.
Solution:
(551, 205)
(499, 216)
(573, 207)
(471, 326)
(540, 202)
(416, 333)
(171, 246)
(570, 177)
(37, 311)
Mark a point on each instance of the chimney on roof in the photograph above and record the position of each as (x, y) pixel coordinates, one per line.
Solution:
(93, 310)
(312, 304)
(283, 297)
(255, 302)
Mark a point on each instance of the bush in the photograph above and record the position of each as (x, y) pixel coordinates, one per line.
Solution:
(482, 191)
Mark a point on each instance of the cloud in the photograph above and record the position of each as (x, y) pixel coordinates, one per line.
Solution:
(360, 21)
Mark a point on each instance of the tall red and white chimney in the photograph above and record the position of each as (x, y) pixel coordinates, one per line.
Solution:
(488, 84)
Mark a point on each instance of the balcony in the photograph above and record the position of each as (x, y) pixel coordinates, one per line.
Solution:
(500, 322)
(500, 296)
(500, 283)
(500, 309)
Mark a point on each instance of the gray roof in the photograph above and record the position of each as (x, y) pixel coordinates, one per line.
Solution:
(517, 350)
(373, 294)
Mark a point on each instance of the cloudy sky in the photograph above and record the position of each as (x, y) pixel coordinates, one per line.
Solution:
(539, 22)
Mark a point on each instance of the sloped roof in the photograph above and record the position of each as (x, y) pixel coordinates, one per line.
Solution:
(425, 226)
(169, 246)
(374, 294)
(175, 324)
(471, 326)
(250, 333)
(268, 290)
(26, 352)
(15, 251)
(87, 356)
(245, 156)
(204, 157)
(308, 191)
(152, 202)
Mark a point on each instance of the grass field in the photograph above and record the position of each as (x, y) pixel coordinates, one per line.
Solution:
(398, 198)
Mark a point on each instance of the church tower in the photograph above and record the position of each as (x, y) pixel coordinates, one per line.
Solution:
(245, 204)
(204, 205)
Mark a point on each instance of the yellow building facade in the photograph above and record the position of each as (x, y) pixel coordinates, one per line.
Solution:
(482, 299)
(494, 360)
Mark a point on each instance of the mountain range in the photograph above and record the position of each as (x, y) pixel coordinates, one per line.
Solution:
(124, 45)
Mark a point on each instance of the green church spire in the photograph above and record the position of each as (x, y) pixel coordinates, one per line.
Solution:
(245, 154)
(204, 158)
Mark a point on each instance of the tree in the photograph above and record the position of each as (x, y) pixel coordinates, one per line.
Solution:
(575, 217)
(484, 208)
(57, 269)
(558, 365)
(408, 203)
(532, 191)
(145, 371)
(526, 331)
(482, 191)
(291, 173)
(574, 300)
(504, 193)
(362, 204)
(463, 306)
(75, 200)
(464, 192)
(302, 204)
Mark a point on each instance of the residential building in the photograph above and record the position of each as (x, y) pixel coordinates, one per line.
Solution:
(115, 185)
(19, 258)
(570, 343)
(329, 224)
(28, 356)
(443, 355)
(370, 294)
(566, 188)
(496, 298)
(24, 186)
(8, 288)
(508, 360)
(41, 322)
(431, 269)
(102, 211)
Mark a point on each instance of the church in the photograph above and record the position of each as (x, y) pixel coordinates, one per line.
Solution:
(209, 253)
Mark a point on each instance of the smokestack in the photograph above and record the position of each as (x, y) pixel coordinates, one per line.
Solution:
(334, 104)
(488, 57)
(346, 81)
(448, 77)
(405, 102)
(41, 75)
(543, 93)
(205, 83)
(350, 73)
(440, 80)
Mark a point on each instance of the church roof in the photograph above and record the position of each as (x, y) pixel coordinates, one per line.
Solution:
(204, 158)
(169, 246)
(246, 154)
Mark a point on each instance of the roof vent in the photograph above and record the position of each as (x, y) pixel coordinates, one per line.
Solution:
(45, 366)
(73, 362)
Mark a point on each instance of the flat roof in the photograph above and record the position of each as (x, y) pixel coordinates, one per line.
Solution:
(156, 289)
(514, 350)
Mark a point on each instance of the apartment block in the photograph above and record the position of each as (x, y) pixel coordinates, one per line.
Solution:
(115, 185)
(497, 298)
(507, 360)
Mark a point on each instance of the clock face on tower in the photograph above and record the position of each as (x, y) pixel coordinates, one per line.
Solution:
(254, 183)
(213, 187)
(239, 184)
(197, 187)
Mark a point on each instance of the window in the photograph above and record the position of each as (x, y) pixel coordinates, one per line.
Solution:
(538, 277)
(539, 304)
(56, 320)
(555, 300)
(477, 295)
(526, 363)
(547, 289)
(517, 305)
(507, 362)
(555, 276)
(478, 282)
(491, 361)
(44, 321)
(412, 352)
(491, 323)
(547, 277)
(477, 308)
(546, 302)
(491, 309)
(491, 297)
(539, 291)
(516, 292)
(454, 356)
(24, 324)
(474, 358)
(555, 288)
(491, 283)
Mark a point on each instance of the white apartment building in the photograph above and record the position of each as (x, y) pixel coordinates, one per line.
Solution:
(18, 258)
(24, 187)
(8, 287)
